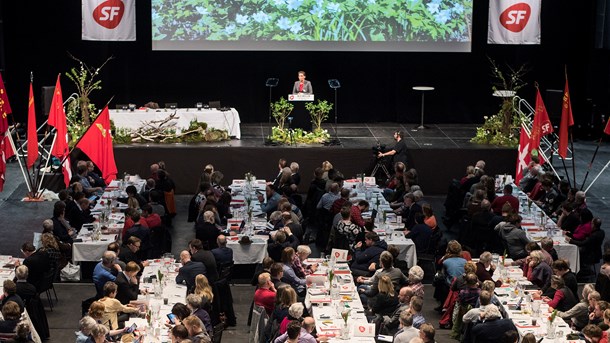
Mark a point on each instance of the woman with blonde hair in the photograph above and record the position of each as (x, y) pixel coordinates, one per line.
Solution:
(284, 298)
(384, 302)
(539, 272)
(99, 333)
(203, 288)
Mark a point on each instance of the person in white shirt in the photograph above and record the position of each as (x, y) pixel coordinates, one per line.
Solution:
(407, 331)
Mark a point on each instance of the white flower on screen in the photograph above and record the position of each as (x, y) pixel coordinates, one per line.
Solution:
(261, 17)
(296, 28)
(294, 4)
(433, 7)
(202, 10)
(458, 8)
(442, 16)
(279, 2)
(230, 29)
(333, 7)
(283, 23)
(317, 11)
(241, 19)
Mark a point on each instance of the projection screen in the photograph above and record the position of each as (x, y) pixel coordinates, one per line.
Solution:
(314, 25)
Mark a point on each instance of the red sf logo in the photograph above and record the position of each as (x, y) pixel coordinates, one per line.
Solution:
(515, 17)
(361, 328)
(109, 13)
(337, 254)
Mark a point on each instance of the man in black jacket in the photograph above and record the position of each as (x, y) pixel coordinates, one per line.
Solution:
(206, 257)
(129, 252)
(128, 287)
(189, 271)
(38, 263)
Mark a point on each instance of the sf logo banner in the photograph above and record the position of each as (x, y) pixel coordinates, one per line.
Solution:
(109, 13)
(515, 17)
(109, 20)
(514, 22)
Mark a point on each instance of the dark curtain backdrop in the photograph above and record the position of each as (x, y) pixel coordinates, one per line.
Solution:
(375, 86)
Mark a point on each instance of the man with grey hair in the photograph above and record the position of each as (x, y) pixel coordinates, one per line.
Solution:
(294, 169)
(85, 326)
(106, 270)
(407, 332)
(548, 250)
(223, 254)
(492, 327)
(194, 303)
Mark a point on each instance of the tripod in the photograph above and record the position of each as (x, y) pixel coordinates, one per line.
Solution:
(290, 131)
(271, 82)
(334, 84)
(381, 165)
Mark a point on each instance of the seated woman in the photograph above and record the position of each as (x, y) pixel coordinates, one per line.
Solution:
(290, 276)
(429, 217)
(85, 326)
(195, 304)
(99, 334)
(563, 299)
(110, 318)
(284, 298)
(385, 302)
(295, 312)
(538, 272)
(415, 277)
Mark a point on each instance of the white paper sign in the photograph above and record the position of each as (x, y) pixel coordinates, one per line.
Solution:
(364, 329)
(338, 255)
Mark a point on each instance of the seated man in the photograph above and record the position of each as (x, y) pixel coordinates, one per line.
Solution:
(492, 327)
(507, 197)
(420, 233)
(188, 271)
(223, 254)
(198, 254)
(84, 180)
(407, 332)
(265, 293)
(10, 294)
(106, 270)
(279, 240)
(128, 286)
(129, 250)
(367, 254)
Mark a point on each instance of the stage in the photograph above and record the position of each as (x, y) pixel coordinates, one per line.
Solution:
(439, 153)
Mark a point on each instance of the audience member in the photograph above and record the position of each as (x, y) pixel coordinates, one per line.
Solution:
(188, 271)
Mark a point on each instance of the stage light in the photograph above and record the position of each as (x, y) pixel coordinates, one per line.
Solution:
(334, 83)
(272, 82)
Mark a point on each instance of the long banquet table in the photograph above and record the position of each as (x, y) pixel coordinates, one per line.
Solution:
(221, 120)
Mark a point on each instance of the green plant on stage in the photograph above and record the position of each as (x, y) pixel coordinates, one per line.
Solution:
(319, 113)
(195, 133)
(299, 136)
(502, 128)
(80, 112)
(280, 110)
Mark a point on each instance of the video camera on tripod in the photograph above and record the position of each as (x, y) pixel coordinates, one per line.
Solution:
(377, 149)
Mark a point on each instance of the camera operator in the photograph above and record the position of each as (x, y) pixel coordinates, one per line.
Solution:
(399, 153)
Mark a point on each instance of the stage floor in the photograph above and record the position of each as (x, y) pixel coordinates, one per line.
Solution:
(363, 135)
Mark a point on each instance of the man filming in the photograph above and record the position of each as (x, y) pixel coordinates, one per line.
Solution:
(399, 152)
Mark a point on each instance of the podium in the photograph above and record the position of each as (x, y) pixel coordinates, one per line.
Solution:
(300, 116)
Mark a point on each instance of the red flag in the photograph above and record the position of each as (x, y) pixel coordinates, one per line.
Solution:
(607, 129)
(524, 156)
(32, 135)
(96, 143)
(566, 121)
(6, 151)
(57, 119)
(5, 108)
(542, 124)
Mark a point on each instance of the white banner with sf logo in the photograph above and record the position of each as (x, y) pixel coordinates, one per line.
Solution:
(109, 20)
(514, 22)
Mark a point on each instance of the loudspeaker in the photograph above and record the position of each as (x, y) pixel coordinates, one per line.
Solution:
(47, 98)
(553, 102)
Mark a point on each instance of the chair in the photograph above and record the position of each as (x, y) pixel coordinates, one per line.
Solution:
(47, 285)
(218, 329)
(225, 271)
(427, 260)
(259, 321)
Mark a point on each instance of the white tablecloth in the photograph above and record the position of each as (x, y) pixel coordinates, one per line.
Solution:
(89, 250)
(327, 316)
(249, 253)
(221, 120)
(9, 274)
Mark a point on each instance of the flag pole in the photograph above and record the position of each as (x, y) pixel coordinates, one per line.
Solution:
(10, 139)
(597, 176)
(591, 163)
(46, 165)
(571, 135)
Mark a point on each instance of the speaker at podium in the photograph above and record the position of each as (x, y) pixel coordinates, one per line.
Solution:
(301, 117)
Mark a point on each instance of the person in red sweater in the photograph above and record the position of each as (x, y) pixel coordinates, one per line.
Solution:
(265, 293)
(152, 219)
(496, 205)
